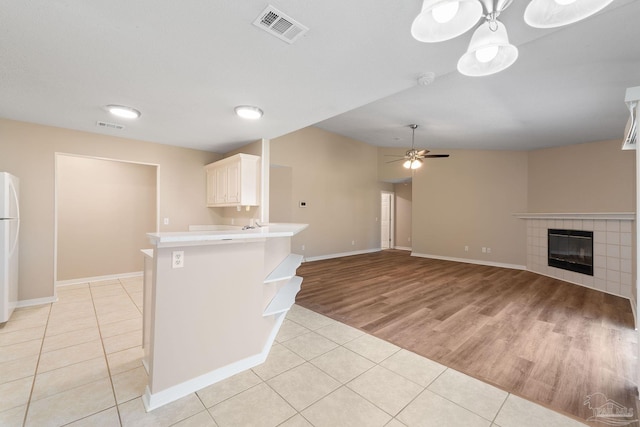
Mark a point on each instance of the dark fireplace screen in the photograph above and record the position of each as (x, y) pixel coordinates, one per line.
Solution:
(571, 250)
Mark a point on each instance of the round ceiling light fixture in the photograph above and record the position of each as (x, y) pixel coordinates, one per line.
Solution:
(248, 112)
(123, 111)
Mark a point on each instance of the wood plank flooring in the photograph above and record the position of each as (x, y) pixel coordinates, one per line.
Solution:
(543, 339)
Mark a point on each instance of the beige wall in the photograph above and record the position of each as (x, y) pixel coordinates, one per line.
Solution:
(469, 199)
(337, 177)
(403, 204)
(28, 151)
(105, 201)
(281, 193)
(582, 178)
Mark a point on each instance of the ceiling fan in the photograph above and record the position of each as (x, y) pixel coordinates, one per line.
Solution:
(413, 157)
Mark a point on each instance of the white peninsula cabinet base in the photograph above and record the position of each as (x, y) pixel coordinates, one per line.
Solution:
(219, 311)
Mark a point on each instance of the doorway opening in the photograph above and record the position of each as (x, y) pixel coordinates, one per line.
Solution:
(387, 220)
(104, 208)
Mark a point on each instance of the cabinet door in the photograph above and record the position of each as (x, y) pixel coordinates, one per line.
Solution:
(211, 187)
(220, 185)
(233, 183)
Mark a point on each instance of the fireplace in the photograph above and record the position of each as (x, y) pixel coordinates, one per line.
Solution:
(571, 250)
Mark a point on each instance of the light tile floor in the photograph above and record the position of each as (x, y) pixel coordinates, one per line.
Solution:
(77, 362)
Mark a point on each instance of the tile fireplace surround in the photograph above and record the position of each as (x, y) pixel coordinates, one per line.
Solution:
(612, 248)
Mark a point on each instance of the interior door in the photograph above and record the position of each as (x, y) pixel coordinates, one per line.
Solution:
(385, 221)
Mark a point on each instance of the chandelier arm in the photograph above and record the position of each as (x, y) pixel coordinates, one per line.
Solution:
(493, 8)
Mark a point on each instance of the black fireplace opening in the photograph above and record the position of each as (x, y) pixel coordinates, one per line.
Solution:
(571, 250)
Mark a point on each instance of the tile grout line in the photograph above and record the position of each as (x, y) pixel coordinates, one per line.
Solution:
(35, 373)
(424, 388)
(104, 351)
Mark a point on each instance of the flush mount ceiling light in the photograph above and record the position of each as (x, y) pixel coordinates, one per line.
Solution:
(123, 112)
(248, 112)
(489, 51)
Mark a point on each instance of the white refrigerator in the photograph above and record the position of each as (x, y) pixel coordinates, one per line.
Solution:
(9, 233)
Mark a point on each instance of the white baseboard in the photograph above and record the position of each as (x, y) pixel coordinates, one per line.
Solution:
(97, 278)
(340, 255)
(402, 248)
(36, 301)
(633, 302)
(472, 261)
(155, 400)
(171, 394)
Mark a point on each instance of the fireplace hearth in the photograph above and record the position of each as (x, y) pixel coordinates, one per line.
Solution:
(571, 250)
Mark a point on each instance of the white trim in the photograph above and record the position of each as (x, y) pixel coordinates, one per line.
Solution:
(622, 216)
(471, 261)
(97, 278)
(153, 401)
(634, 304)
(340, 255)
(36, 301)
(403, 248)
(265, 160)
(56, 154)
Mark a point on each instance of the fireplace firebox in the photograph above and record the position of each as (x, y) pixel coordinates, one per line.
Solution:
(571, 250)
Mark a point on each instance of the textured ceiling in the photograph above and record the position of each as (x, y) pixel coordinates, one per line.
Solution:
(186, 64)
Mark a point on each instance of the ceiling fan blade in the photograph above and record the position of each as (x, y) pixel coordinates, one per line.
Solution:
(422, 152)
(397, 160)
(394, 155)
(430, 156)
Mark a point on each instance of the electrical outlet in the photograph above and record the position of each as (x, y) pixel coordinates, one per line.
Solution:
(303, 247)
(166, 221)
(177, 259)
(484, 250)
(353, 242)
(466, 248)
(488, 250)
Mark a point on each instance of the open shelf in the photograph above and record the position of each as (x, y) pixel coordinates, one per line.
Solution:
(285, 297)
(286, 269)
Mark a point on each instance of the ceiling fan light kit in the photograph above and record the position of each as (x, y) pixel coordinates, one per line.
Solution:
(413, 158)
(441, 20)
(412, 164)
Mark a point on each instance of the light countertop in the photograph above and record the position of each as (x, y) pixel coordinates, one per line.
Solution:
(204, 237)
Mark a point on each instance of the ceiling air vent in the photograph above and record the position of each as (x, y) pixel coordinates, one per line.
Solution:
(280, 25)
(109, 125)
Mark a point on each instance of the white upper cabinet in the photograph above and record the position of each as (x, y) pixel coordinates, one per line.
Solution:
(234, 181)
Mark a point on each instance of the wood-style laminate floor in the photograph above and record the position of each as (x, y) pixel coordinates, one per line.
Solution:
(543, 339)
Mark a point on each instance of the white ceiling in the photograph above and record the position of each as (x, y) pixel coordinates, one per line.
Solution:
(186, 64)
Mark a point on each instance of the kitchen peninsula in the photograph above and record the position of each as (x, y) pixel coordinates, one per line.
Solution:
(213, 304)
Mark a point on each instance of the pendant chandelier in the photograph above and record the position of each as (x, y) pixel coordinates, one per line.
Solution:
(489, 50)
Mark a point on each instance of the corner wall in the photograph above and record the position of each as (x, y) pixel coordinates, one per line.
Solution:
(338, 179)
(469, 200)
